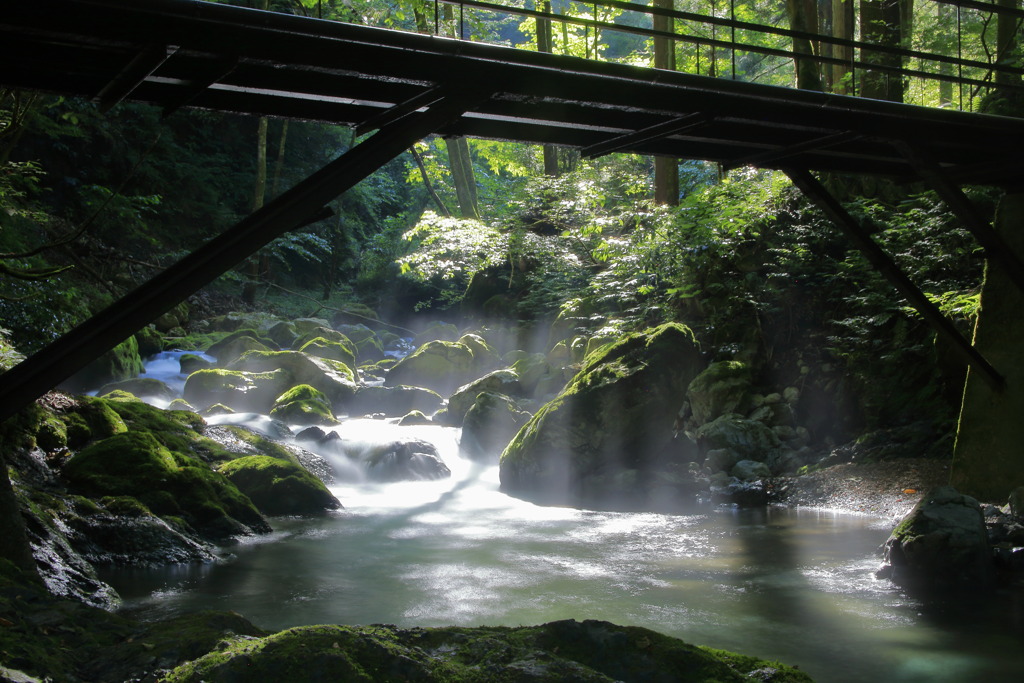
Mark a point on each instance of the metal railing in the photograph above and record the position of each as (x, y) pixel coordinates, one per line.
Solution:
(721, 44)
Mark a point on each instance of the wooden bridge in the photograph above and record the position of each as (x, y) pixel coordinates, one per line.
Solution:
(405, 86)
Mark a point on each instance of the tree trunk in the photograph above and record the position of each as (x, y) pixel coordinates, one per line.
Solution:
(462, 176)
(1007, 49)
(279, 164)
(666, 170)
(803, 16)
(259, 194)
(544, 45)
(431, 192)
(842, 27)
(945, 14)
(881, 24)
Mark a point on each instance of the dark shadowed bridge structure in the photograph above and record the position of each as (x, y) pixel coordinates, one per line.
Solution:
(405, 86)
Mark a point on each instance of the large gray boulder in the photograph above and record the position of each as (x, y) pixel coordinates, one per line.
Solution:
(941, 543)
(614, 422)
(489, 425)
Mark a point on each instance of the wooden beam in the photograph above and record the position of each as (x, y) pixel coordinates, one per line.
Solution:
(423, 99)
(74, 350)
(775, 156)
(132, 75)
(658, 130)
(221, 68)
(831, 207)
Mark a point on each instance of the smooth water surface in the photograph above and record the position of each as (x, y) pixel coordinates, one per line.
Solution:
(793, 585)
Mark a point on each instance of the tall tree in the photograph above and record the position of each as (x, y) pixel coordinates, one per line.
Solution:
(881, 23)
(666, 170)
(803, 16)
(842, 27)
(544, 45)
(1007, 42)
(462, 176)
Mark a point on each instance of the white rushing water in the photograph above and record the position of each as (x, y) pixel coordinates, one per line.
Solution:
(793, 585)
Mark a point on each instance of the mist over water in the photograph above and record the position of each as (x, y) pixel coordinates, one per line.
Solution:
(793, 585)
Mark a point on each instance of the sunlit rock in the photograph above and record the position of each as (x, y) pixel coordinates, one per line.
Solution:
(335, 379)
(306, 325)
(414, 418)
(283, 334)
(142, 387)
(303, 405)
(441, 366)
(942, 542)
(413, 460)
(190, 362)
(331, 350)
(278, 487)
(489, 425)
(328, 334)
(238, 342)
(485, 357)
(617, 414)
(245, 391)
(500, 381)
(393, 401)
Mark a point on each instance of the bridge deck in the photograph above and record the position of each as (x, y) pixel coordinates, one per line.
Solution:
(177, 53)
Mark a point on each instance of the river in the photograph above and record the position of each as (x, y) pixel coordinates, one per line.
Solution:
(793, 585)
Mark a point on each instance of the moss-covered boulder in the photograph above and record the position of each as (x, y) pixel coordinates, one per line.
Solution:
(393, 401)
(538, 377)
(121, 362)
(278, 487)
(504, 382)
(307, 325)
(328, 334)
(558, 652)
(731, 438)
(436, 331)
(335, 379)
(618, 415)
(412, 460)
(303, 405)
(441, 366)
(91, 419)
(723, 387)
(941, 543)
(485, 356)
(190, 362)
(170, 484)
(283, 334)
(243, 391)
(142, 387)
(489, 426)
(331, 350)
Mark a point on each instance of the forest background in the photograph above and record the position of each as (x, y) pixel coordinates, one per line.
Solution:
(486, 232)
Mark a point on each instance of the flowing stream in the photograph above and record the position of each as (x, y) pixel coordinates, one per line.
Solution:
(793, 585)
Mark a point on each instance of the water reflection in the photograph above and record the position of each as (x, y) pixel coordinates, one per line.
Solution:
(794, 585)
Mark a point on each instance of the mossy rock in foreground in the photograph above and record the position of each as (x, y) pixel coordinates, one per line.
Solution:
(278, 487)
(561, 651)
(303, 405)
(169, 483)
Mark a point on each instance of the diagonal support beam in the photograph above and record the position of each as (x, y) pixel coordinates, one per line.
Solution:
(424, 99)
(77, 348)
(777, 155)
(831, 207)
(996, 248)
(658, 130)
(132, 76)
(220, 69)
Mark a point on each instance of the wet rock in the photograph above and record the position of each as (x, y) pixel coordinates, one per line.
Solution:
(393, 401)
(190, 362)
(617, 414)
(438, 331)
(490, 424)
(414, 417)
(303, 405)
(413, 460)
(331, 350)
(143, 387)
(441, 366)
(278, 487)
(558, 652)
(240, 390)
(748, 439)
(505, 382)
(750, 470)
(233, 346)
(335, 379)
(723, 387)
(942, 542)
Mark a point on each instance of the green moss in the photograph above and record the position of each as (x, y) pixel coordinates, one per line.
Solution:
(238, 343)
(136, 464)
(303, 405)
(150, 341)
(262, 445)
(120, 396)
(125, 506)
(278, 487)
(326, 334)
(551, 653)
(323, 348)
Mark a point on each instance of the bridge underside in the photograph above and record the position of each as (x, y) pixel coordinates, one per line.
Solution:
(185, 53)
